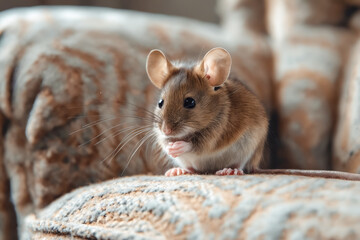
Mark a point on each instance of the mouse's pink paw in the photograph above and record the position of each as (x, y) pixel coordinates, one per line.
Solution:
(177, 148)
(177, 172)
(229, 171)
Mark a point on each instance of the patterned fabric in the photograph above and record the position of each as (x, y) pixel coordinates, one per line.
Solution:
(204, 207)
(242, 17)
(284, 16)
(307, 74)
(346, 150)
(310, 53)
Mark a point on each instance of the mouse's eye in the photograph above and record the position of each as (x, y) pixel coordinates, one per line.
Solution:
(161, 103)
(189, 102)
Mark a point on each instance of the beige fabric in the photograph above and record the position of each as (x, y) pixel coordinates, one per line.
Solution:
(204, 207)
(284, 16)
(346, 151)
(308, 67)
(310, 54)
(242, 17)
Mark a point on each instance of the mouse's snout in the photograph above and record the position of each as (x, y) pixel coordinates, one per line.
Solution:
(166, 129)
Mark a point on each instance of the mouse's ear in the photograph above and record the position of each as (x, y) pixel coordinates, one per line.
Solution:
(215, 66)
(158, 68)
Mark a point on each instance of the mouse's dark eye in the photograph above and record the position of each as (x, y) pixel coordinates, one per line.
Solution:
(189, 102)
(216, 88)
(161, 103)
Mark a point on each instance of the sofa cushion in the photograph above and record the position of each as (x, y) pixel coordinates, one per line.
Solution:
(204, 207)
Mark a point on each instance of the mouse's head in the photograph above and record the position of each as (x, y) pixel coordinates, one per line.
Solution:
(191, 96)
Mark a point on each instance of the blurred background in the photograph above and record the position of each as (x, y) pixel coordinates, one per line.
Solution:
(200, 9)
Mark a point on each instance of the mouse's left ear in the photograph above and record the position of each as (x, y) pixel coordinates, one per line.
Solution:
(158, 68)
(215, 66)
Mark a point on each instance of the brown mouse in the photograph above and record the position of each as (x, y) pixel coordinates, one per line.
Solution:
(208, 122)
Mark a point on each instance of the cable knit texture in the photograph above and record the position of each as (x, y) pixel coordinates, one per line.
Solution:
(204, 207)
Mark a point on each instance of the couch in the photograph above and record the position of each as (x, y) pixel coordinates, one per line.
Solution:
(73, 77)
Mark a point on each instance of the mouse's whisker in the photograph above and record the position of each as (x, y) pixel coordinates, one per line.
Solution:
(117, 133)
(145, 118)
(85, 114)
(97, 122)
(91, 115)
(107, 130)
(125, 140)
(151, 144)
(153, 117)
(151, 113)
(136, 148)
(92, 124)
(133, 134)
(132, 111)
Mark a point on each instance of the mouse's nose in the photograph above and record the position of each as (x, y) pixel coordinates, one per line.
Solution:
(166, 129)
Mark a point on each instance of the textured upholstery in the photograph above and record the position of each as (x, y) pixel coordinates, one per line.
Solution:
(310, 52)
(346, 150)
(204, 207)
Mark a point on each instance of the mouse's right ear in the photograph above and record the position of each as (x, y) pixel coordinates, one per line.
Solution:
(158, 68)
(215, 66)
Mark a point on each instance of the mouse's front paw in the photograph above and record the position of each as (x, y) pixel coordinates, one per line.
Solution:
(177, 172)
(229, 171)
(178, 148)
